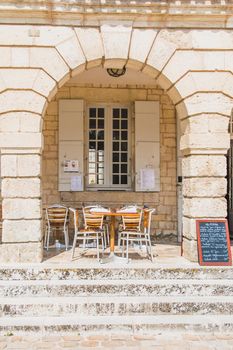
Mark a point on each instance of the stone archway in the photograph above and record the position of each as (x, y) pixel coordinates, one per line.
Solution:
(131, 87)
(192, 68)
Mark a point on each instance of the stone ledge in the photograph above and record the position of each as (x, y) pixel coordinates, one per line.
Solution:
(114, 6)
(217, 14)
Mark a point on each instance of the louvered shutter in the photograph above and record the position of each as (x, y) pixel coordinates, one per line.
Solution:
(147, 146)
(71, 140)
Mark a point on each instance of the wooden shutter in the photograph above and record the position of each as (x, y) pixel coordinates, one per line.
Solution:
(147, 146)
(70, 140)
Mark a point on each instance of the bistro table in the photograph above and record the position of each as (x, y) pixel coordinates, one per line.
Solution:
(113, 214)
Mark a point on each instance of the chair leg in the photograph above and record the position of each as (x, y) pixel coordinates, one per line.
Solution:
(119, 239)
(107, 233)
(66, 237)
(45, 237)
(127, 248)
(103, 247)
(68, 240)
(123, 247)
(74, 245)
(140, 242)
(97, 246)
(84, 241)
(104, 239)
(48, 234)
(151, 253)
(147, 249)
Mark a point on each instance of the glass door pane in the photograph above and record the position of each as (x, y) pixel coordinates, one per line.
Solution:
(120, 145)
(96, 146)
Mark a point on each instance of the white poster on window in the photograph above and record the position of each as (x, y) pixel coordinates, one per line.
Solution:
(147, 176)
(76, 183)
(71, 166)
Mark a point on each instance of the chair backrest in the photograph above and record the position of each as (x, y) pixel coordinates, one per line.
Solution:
(147, 219)
(92, 220)
(132, 217)
(57, 215)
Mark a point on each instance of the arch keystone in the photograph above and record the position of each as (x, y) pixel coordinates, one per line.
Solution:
(116, 41)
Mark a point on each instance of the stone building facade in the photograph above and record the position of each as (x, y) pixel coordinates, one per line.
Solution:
(177, 54)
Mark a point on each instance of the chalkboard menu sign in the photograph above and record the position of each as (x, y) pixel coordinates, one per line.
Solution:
(213, 242)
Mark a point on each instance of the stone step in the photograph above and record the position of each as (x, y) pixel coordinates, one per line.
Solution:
(104, 272)
(115, 305)
(49, 300)
(54, 288)
(123, 323)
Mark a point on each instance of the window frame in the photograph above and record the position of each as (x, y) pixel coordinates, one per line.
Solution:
(108, 151)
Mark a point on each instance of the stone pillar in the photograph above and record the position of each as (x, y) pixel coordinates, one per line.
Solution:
(204, 144)
(21, 200)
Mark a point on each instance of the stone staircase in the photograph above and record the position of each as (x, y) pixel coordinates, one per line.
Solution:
(48, 300)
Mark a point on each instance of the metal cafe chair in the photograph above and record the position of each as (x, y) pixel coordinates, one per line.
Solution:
(139, 236)
(89, 220)
(130, 222)
(92, 230)
(56, 219)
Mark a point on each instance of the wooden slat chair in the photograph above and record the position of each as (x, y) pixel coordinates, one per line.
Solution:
(92, 230)
(56, 219)
(131, 222)
(142, 236)
(91, 221)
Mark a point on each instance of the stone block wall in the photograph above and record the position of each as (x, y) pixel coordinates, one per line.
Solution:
(21, 191)
(193, 65)
(165, 201)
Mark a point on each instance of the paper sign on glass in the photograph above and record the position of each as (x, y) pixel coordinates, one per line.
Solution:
(76, 183)
(71, 166)
(147, 179)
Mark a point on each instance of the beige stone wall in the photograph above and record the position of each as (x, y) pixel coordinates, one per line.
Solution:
(165, 201)
(194, 67)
